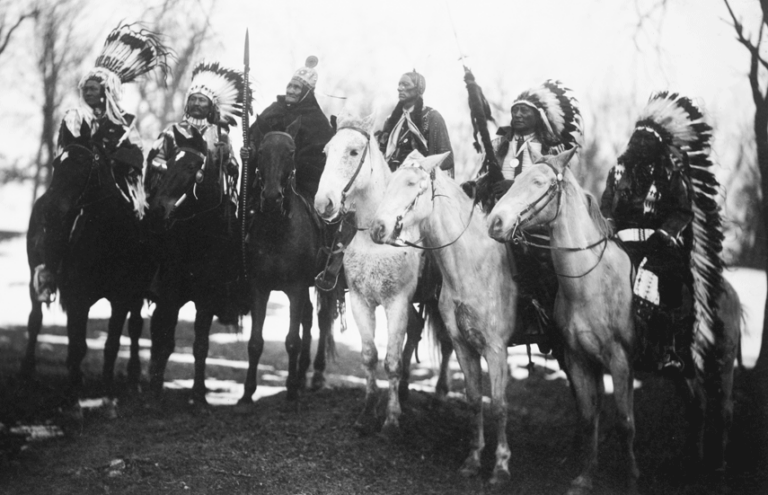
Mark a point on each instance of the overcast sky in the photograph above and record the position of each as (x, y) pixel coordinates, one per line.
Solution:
(593, 46)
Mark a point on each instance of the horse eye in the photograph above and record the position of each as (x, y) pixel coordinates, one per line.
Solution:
(353, 152)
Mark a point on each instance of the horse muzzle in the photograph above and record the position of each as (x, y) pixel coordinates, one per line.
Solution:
(498, 228)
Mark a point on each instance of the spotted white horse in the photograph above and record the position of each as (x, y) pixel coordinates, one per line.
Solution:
(354, 179)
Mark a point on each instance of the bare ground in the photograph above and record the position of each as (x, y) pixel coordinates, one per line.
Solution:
(310, 446)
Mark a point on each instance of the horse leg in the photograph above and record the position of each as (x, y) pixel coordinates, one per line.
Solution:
(695, 397)
(305, 357)
(203, 320)
(34, 323)
(414, 328)
(623, 391)
(365, 319)
(162, 330)
(469, 360)
(135, 329)
(77, 322)
(498, 370)
(398, 313)
(112, 346)
(297, 298)
(325, 343)
(256, 342)
(587, 385)
(446, 349)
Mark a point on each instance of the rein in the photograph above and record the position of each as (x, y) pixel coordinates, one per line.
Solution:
(556, 188)
(359, 165)
(199, 177)
(409, 207)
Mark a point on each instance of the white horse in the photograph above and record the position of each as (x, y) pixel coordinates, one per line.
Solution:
(478, 300)
(354, 179)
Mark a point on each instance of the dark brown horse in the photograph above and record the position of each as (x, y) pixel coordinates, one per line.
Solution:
(284, 241)
(192, 219)
(105, 256)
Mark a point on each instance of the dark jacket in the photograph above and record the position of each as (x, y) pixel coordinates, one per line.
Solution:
(314, 134)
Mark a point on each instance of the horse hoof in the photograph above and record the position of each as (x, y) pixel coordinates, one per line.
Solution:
(110, 408)
(292, 395)
(365, 424)
(500, 477)
(318, 382)
(391, 431)
(580, 486)
(470, 468)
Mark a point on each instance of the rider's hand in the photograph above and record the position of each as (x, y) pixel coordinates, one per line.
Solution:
(245, 153)
(501, 187)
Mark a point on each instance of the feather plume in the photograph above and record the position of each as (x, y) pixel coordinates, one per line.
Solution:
(681, 126)
(224, 87)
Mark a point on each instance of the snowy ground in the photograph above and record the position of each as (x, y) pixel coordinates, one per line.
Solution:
(15, 306)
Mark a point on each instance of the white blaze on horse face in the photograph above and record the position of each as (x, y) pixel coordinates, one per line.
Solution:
(343, 154)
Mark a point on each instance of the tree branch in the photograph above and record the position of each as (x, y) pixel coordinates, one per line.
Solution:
(13, 28)
(754, 49)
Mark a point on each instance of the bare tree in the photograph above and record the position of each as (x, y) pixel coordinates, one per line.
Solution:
(189, 29)
(9, 21)
(60, 53)
(758, 69)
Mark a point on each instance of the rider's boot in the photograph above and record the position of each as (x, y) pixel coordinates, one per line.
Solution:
(328, 278)
(670, 361)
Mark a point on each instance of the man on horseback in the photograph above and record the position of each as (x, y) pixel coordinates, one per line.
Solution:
(209, 110)
(314, 133)
(411, 126)
(651, 196)
(108, 130)
(414, 126)
(212, 107)
(545, 120)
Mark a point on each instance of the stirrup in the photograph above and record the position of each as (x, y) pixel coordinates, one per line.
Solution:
(671, 361)
(324, 283)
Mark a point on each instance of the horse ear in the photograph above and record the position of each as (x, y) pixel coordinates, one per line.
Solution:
(367, 123)
(178, 136)
(536, 157)
(562, 159)
(293, 128)
(432, 161)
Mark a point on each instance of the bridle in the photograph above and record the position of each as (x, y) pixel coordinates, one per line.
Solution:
(409, 207)
(555, 189)
(94, 166)
(342, 206)
(258, 182)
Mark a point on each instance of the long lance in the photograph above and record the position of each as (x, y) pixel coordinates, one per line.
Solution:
(479, 110)
(245, 155)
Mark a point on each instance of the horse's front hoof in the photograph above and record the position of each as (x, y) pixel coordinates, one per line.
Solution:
(391, 431)
(292, 394)
(366, 424)
(500, 477)
(470, 468)
(318, 381)
(110, 408)
(198, 398)
(580, 486)
(27, 370)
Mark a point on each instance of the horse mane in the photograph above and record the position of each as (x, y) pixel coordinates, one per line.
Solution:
(593, 206)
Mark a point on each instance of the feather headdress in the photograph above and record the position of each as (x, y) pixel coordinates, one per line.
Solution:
(223, 86)
(680, 126)
(128, 52)
(559, 110)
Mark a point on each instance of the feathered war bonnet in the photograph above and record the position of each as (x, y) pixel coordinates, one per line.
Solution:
(223, 86)
(127, 54)
(680, 128)
(558, 109)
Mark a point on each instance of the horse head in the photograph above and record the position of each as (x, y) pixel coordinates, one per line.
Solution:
(76, 168)
(529, 201)
(343, 175)
(186, 173)
(408, 200)
(276, 166)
